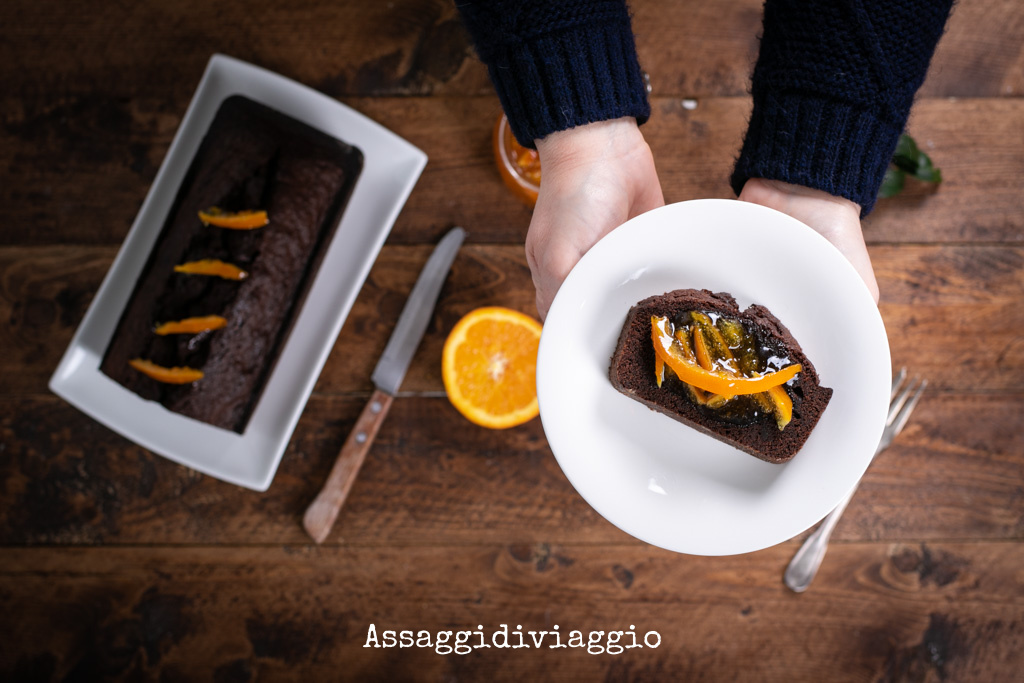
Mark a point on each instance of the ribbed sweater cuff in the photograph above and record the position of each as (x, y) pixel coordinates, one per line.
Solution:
(817, 143)
(573, 77)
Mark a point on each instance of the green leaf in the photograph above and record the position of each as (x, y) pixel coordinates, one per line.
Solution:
(926, 172)
(892, 183)
(907, 155)
(907, 159)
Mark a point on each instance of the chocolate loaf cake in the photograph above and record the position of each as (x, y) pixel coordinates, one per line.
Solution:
(752, 423)
(252, 159)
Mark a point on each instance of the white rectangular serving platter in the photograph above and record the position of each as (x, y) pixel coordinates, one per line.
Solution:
(391, 168)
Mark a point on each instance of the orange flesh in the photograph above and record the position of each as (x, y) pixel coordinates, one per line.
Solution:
(484, 367)
(241, 220)
(166, 375)
(192, 325)
(489, 367)
(714, 381)
(228, 271)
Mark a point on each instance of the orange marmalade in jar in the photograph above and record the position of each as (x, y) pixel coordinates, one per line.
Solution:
(519, 167)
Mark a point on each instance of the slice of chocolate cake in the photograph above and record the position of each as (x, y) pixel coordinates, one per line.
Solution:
(704, 337)
(232, 264)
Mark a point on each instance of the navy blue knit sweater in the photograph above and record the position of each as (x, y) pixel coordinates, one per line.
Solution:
(832, 88)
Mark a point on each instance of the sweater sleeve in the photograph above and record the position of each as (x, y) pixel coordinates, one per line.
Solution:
(557, 65)
(832, 90)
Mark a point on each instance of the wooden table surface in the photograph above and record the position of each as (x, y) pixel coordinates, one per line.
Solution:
(117, 563)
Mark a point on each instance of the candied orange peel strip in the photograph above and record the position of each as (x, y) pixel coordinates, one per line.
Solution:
(228, 271)
(166, 375)
(703, 328)
(683, 339)
(774, 400)
(714, 381)
(783, 406)
(239, 220)
(191, 325)
(700, 349)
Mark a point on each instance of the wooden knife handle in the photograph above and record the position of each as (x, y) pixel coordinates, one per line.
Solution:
(322, 512)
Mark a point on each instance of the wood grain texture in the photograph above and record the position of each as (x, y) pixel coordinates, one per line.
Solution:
(881, 612)
(419, 47)
(432, 478)
(702, 49)
(79, 170)
(118, 564)
(935, 299)
(323, 511)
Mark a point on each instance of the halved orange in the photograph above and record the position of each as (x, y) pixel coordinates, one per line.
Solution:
(489, 367)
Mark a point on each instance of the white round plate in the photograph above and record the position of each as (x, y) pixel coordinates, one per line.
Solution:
(662, 481)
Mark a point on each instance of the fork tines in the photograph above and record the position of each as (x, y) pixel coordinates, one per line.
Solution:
(902, 403)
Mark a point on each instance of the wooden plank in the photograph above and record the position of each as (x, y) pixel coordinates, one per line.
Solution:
(419, 47)
(430, 475)
(160, 50)
(695, 150)
(707, 49)
(431, 478)
(449, 525)
(44, 294)
(936, 301)
(80, 169)
(876, 612)
(974, 202)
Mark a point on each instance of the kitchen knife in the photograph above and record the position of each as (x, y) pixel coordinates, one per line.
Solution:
(387, 377)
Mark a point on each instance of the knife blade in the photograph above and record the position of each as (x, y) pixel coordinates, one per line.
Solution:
(416, 313)
(387, 377)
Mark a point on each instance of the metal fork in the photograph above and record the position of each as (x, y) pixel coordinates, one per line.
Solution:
(805, 563)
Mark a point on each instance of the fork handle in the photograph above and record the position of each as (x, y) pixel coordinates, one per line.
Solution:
(805, 563)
